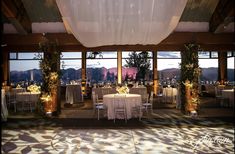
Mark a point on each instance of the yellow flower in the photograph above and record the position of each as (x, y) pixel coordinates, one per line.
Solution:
(53, 76)
(188, 84)
(34, 88)
(123, 90)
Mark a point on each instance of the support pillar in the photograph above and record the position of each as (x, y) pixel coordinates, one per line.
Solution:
(84, 53)
(155, 75)
(119, 66)
(222, 67)
(5, 68)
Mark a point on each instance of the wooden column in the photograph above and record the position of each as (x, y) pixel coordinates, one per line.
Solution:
(222, 67)
(84, 53)
(58, 88)
(119, 66)
(155, 75)
(5, 68)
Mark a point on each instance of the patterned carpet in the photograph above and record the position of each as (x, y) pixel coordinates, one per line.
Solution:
(154, 135)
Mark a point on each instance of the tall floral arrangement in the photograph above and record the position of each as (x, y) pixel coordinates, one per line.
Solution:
(49, 65)
(190, 73)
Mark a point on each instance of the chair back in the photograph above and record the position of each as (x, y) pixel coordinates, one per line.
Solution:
(11, 96)
(94, 98)
(145, 98)
(151, 99)
(218, 91)
(119, 101)
(105, 91)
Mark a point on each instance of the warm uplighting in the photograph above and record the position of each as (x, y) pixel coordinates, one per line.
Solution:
(47, 100)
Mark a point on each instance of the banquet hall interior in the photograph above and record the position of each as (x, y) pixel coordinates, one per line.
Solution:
(116, 76)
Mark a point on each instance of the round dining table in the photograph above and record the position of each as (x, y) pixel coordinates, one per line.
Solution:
(73, 93)
(132, 100)
(27, 96)
(170, 94)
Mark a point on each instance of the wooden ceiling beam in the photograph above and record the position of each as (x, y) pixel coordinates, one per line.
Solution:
(15, 12)
(74, 48)
(175, 41)
(222, 16)
(69, 39)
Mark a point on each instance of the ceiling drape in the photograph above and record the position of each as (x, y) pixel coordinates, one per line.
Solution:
(121, 22)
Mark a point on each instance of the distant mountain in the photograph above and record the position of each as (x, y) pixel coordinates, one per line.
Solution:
(101, 74)
(169, 73)
(34, 74)
(208, 74)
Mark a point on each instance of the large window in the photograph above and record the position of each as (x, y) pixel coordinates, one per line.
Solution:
(168, 66)
(70, 66)
(103, 68)
(137, 66)
(24, 68)
(230, 67)
(208, 62)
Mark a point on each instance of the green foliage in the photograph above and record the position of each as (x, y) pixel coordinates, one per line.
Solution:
(94, 54)
(49, 65)
(141, 62)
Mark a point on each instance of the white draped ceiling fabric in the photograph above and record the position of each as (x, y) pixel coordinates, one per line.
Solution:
(121, 22)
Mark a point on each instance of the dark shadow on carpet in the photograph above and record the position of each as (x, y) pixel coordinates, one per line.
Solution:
(51, 123)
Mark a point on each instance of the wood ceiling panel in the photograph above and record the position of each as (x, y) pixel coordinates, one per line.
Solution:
(15, 12)
(222, 16)
(199, 10)
(42, 10)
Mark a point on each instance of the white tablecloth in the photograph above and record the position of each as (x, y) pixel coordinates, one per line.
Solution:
(73, 94)
(170, 94)
(4, 111)
(27, 96)
(132, 100)
(229, 93)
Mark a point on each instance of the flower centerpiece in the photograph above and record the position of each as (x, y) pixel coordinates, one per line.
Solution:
(34, 88)
(122, 90)
(18, 86)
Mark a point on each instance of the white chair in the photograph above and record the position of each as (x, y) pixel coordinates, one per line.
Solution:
(148, 104)
(104, 91)
(27, 103)
(219, 98)
(97, 105)
(136, 110)
(11, 100)
(119, 106)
